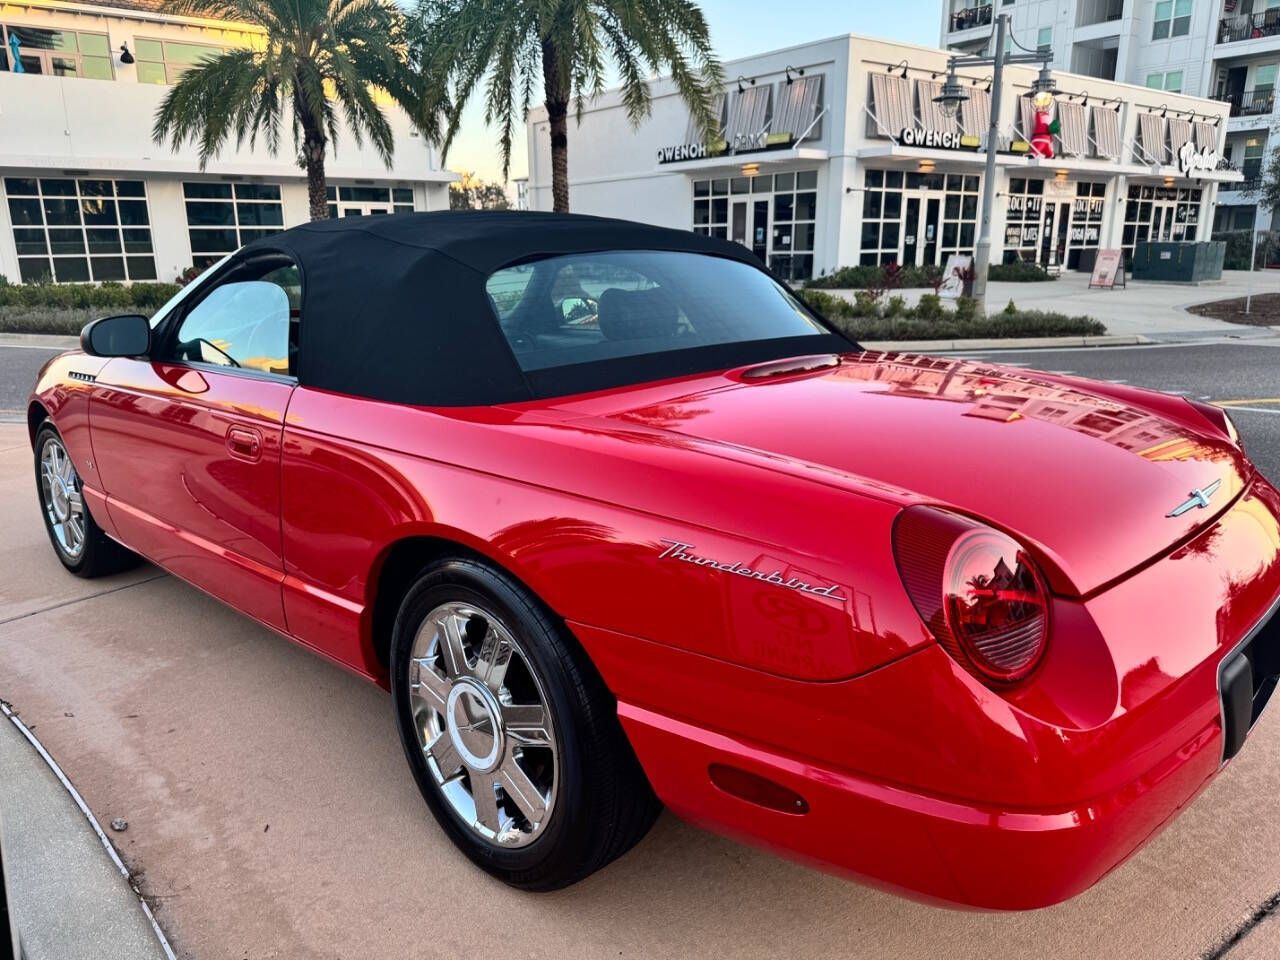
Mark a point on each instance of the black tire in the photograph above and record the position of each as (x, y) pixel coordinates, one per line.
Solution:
(604, 803)
(101, 555)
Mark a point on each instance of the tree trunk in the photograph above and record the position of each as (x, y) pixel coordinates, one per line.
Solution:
(313, 148)
(313, 159)
(557, 103)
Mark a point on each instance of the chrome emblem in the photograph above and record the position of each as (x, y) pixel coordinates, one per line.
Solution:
(677, 550)
(1199, 498)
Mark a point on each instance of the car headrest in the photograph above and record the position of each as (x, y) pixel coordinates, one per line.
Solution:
(637, 314)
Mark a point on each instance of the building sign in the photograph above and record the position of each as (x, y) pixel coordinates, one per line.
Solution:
(683, 151)
(938, 139)
(1191, 160)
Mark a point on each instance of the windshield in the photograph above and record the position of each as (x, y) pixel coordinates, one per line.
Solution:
(603, 306)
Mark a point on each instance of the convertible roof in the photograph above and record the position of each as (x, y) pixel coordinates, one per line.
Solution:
(395, 307)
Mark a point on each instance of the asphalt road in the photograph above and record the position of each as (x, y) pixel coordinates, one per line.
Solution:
(271, 813)
(1241, 375)
(18, 368)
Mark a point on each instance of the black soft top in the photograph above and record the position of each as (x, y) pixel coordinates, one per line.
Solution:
(395, 308)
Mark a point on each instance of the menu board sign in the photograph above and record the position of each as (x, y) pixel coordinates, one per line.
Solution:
(1108, 270)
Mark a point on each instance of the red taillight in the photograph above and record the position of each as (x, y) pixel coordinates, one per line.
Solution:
(977, 590)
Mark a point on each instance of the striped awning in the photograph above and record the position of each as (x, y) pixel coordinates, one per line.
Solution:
(1206, 135)
(1179, 133)
(931, 115)
(1106, 133)
(1151, 135)
(891, 104)
(693, 135)
(1026, 118)
(975, 113)
(798, 105)
(1074, 120)
(749, 113)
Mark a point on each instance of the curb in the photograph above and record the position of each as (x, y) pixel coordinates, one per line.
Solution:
(46, 341)
(1010, 343)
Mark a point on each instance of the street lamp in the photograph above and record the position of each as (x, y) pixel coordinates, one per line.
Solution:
(1043, 90)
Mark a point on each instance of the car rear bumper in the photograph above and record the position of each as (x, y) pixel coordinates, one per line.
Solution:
(927, 847)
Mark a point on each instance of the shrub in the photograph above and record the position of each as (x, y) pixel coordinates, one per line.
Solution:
(930, 307)
(1240, 247)
(826, 304)
(966, 308)
(864, 277)
(865, 304)
(152, 295)
(1010, 308)
(896, 307)
(1019, 272)
(1025, 324)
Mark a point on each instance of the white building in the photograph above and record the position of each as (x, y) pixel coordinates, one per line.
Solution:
(833, 153)
(1227, 49)
(87, 195)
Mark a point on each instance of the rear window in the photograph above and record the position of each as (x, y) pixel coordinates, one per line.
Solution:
(603, 306)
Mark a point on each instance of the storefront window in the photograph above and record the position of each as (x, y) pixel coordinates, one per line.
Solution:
(917, 219)
(58, 53)
(1050, 223)
(222, 217)
(773, 214)
(368, 201)
(1160, 214)
(74, 231)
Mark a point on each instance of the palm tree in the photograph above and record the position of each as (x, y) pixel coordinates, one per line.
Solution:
(508, 46)
(319, 57)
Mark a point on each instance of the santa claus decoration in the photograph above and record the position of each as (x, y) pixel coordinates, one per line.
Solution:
(1046, 127)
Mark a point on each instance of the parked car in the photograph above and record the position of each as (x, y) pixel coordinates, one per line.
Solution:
(962, 631)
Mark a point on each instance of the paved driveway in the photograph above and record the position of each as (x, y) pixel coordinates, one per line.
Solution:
(271, 813)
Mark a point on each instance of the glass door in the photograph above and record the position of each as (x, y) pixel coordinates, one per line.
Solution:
(910, 234)
(760, 230)
(929, 244)
(738, 222)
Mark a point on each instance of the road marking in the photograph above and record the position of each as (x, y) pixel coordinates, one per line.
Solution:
(1117, 381)
(1270, 410)
(1251, 401)
(34, 346)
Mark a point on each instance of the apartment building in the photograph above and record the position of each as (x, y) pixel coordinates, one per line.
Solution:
(1225, 49)
(86, 195)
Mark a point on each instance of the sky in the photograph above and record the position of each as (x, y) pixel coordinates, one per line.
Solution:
(739, 28)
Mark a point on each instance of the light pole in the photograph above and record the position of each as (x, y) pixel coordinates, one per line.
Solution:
(1042, 92)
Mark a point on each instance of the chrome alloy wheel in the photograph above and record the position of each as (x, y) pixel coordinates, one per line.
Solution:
(62, 499)
(483, 724)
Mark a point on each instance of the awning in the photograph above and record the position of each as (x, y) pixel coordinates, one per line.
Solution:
(891, 104)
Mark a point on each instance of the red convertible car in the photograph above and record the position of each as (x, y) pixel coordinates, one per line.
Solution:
(619, 521)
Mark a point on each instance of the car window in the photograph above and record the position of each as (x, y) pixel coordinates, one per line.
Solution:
(244, 323)
(596, 306)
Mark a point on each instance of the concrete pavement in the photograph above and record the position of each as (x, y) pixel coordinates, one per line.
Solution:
(71, 901)
(1155, 310)
(272, 815)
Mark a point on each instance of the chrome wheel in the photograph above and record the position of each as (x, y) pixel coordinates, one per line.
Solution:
(483, 724)
(60, 494)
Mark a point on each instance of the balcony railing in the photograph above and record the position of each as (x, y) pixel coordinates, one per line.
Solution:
(971, 17)
(1250, 26)
(1250, 103)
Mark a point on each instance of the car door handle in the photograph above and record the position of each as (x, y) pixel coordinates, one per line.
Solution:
(245, 443)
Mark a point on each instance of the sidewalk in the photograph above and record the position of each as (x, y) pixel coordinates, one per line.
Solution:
(71, 900)
(1143, 309)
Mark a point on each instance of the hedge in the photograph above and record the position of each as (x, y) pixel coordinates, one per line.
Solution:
(862, 277)
(870, 319)
(84, 295)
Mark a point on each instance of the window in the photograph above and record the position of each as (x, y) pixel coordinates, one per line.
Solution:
(74, 231)
(711, 207)
(222, 217)
(164, 61)
(368, 201)
(602, 306)
(794, 224)
(244, 322)
(59, 53)
(1045, 37)
(1171, 81)
(1173, 19)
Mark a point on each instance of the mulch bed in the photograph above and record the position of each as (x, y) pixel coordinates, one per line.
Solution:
(1265, 310)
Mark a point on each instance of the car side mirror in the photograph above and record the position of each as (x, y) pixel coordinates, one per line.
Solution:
(128, 335)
